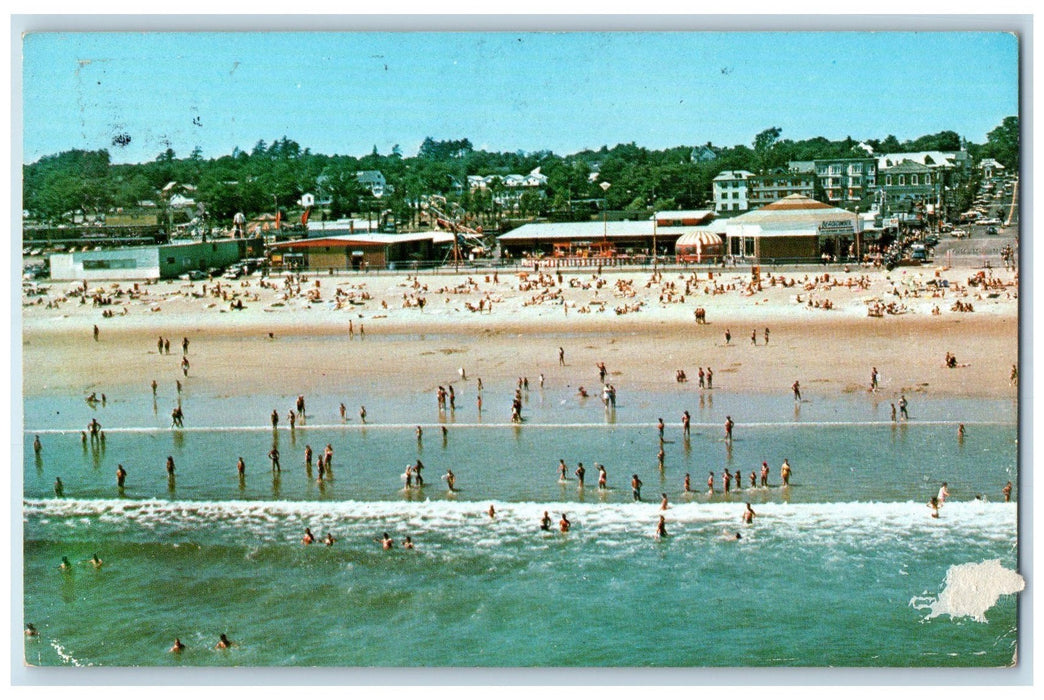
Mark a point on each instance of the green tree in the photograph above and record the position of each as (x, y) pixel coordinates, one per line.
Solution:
(1002, 143)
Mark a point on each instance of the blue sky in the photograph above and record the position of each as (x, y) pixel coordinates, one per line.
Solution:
(506, 91)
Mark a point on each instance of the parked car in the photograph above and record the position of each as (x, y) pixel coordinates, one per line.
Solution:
(991, 230)
(192, 275)
(959, 233)
(931, 240)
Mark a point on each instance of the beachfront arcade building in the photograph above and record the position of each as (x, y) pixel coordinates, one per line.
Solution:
(794, 229)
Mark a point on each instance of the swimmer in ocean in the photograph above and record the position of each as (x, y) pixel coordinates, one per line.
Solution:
(36, 445)
(661, 527)
(386, 541)
(451, 480)
(688, 484)
(59, 487)
(308, 538)
(177, 647)
(748, 515)
(66, 565)
(564, 523)
(636, 487)
(934, 505)
(492, 511)
(30, 630)
(601, 476)
(663, 501)
(95, 561)
(943, 494)
(562, 470)
(545, 522)
(710, 482)
(224, 642)
(329, 540)
(407, 543)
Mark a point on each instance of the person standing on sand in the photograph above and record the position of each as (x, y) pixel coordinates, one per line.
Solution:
(710, 378)
(797, 390)
(766, 336)
(754, 337)
(362, 413)
(728, 336)
(96, 334)
(1014, 377)
(873, 379)
(561, 356)
(701, 378)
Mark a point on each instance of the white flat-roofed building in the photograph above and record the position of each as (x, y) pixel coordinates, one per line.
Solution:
(730, 191)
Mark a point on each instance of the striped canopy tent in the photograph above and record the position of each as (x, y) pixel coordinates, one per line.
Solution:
(697, 244)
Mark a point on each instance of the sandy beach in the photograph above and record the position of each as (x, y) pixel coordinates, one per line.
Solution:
(293, 337)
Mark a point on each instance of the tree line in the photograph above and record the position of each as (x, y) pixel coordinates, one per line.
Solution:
(273, 176)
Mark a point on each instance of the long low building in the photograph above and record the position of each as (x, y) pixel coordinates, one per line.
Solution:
(795, 228)
(360, 251)
(151, 261)
(599, 238)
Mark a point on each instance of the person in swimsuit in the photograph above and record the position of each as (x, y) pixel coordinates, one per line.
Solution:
(661, 527)
(545, 522)
(564, 523)
(748, 515)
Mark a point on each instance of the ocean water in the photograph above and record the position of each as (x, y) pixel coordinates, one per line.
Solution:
(839, 569)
